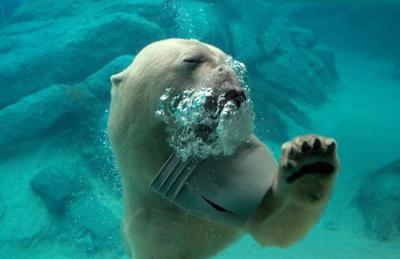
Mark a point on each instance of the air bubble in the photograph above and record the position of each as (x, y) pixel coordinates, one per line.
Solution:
(184, 113)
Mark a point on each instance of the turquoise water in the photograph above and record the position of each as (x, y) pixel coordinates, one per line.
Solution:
(326, 68)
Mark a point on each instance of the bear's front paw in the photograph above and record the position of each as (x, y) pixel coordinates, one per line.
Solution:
(308, 164)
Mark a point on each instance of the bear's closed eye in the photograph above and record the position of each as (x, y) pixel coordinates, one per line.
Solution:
(193, 60)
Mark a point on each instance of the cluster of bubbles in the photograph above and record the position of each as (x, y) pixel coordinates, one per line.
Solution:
(240, 70)
(196, 130)
(106, 165)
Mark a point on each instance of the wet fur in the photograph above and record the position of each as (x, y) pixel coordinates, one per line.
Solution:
(154, 228)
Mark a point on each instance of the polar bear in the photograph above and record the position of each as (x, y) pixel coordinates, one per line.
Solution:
(296, 189)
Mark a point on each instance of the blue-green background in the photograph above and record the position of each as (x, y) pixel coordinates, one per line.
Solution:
(326, 67)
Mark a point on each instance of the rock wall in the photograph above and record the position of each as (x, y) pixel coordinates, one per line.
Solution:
(378, 199)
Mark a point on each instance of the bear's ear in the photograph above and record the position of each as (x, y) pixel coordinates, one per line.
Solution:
(117, 78)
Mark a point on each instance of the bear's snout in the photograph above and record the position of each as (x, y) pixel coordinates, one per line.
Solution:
(227, 84)
(225, 73)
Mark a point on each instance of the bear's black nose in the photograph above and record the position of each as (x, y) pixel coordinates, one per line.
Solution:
(236, 95)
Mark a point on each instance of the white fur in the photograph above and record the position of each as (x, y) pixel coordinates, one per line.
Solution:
(154, 228)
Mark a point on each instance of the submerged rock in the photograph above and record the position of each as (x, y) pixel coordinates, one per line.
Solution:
(58, 188)
(200, 20)
(96, 218)
(246, 30)
(294, 67)
(35, 114)
(303, 37)
(286, 68)
(99, 85)
(62, 42)
(329, 60)
(378, 199)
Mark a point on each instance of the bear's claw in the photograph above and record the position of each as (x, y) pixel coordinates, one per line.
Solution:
(308, 154)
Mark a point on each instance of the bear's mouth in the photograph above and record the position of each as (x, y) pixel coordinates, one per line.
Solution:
(237, 96)
(206, 121)
(219, 107)
(204, 131)
(216, 102)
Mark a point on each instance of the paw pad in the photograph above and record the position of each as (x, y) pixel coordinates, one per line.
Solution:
(308, 154)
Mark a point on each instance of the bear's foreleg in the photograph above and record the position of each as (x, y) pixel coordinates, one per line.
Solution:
(300, 192)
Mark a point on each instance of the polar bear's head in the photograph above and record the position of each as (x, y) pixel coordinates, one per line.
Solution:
(194, 91)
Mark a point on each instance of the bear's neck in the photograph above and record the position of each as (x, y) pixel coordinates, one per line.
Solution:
(150, 151)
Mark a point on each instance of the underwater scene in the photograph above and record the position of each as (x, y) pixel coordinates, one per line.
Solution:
(330, 68)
